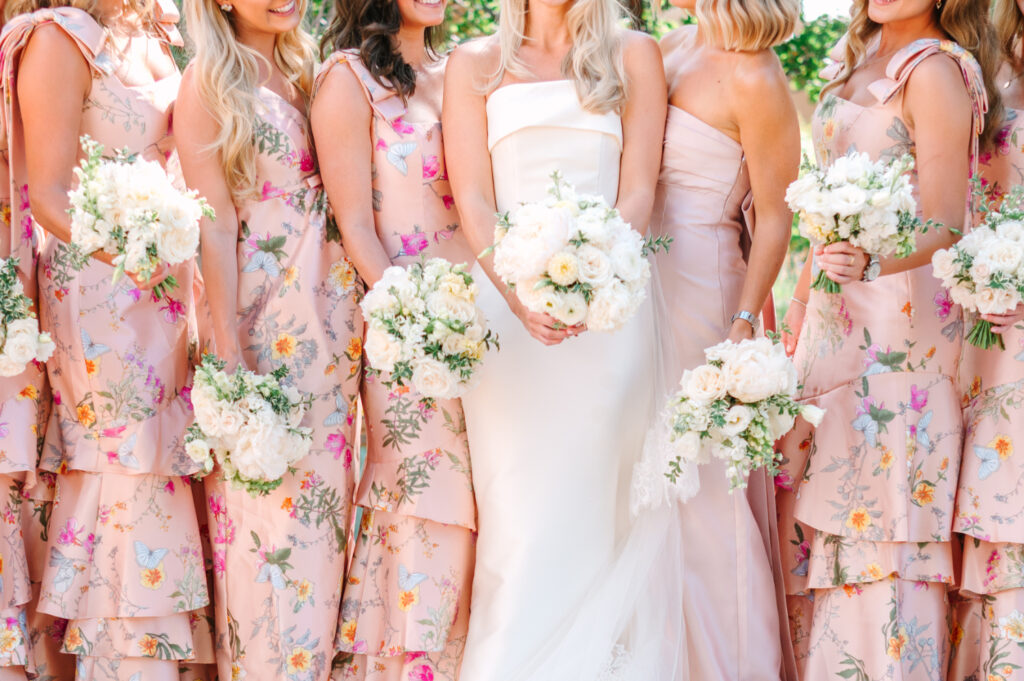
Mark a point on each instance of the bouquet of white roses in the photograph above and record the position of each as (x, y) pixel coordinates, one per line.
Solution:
(869, 204)
(984, 271)
(248, 423)
(575, 258)
(20, 339)
(423, 325)
(734, 408)
(131, 209)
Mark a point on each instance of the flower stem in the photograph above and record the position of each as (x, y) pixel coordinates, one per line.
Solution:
(823, 283)
(982, 336)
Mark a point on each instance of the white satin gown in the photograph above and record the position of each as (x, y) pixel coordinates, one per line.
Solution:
(554, 431)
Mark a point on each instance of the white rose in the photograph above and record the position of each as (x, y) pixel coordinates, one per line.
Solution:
(988, 301)
(610, 307)
(722, 352)
(8, 367)
(800, 191)
(433, 379)
(737, 419)
(704, 384)
(850, 169)
(22, 340)
(382, 350)
(849, 200)
(628, 261)
(445, 306)
(749, 376)
(563, 268)
(1002, 255)
(176, 245)
(198, 451)
(594, 226)
(1011, 229)
(943, 265)
(981, 272)
(595, 268)
(45, 347)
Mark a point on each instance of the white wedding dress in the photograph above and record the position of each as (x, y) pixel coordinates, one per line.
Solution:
(554, 432)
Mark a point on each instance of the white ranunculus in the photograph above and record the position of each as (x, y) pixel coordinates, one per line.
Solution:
(737, 419)
(433, 379)
(198, 451)
(563, 268)
(943, 266)
(574, 308)
(382, 350)
(704, 384)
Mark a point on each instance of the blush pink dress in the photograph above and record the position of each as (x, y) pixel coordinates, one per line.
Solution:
(406, 601)
(868, 497)
(731, 606)
(279, 559)
(123, 559)
(989, 627)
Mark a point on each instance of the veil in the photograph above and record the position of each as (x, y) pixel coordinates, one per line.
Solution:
(629, 626)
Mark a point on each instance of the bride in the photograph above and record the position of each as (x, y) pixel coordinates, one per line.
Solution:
(559, 417)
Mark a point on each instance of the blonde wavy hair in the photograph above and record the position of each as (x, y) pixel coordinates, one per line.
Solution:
(594, 62)
(1009, 25)
(144, 9)
(965, 22)
(226, 74)
(746, 25)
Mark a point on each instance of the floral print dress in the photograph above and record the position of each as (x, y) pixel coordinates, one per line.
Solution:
(122, 560)
(989, 629)
(279, 559)
(406, 601)
(867, 499)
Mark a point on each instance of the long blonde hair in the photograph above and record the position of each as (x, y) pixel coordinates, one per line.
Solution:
(227, 76)
(144, 9)
(594, 62)
(965, 22)
(1009, 25)
(747, 25)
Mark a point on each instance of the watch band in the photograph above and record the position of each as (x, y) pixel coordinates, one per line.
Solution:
(748, 317)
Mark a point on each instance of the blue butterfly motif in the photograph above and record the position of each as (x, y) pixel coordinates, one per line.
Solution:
(397, 153)
(922, 429)
(262, 260)
(137, 676)
(91, 348)
(867, 425)
(989, 461)
(65, 571)
(340, 413)
(146, 557)
(271, 572)
(124, 453)
(408, 581)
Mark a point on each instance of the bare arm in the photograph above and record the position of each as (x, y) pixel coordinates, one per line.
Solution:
(770, 135)
(342, 120)
(794, 319)
(643, 129)
(942, 137)
(195, 130)
(469, 171)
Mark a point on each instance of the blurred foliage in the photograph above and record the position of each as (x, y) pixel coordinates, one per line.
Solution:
(804, 55)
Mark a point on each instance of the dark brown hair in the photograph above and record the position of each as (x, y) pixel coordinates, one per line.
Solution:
(371, 27)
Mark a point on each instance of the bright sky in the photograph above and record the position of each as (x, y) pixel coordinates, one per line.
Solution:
(815, 8)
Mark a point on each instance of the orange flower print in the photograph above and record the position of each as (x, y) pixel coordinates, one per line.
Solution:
(355, 348)
(86, 416)
(299, 660)
(287, 504)
(1003, 446)
(342, 275)
(91, 367)
(923, 494)
(73, 641)
(407, 599)
(291, 275)
(148, 645)
(5, 213)
(348, 631)
(858, 519)
(829, 129)
(237, 671)
(887, 458)
(896, 644)
(152, 578)
(303, 591)
(930, 353)
(908, 310)
(852, 590)
(29, 392)
(976, 386)
(874, 571)
(284, 346)
(957, 634)
(10, 638)
(330, 369)
(1007, 670)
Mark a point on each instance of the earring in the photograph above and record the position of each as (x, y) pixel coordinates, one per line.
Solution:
(938, 5)
(225, 7)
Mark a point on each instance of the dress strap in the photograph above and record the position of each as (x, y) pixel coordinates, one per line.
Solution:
(167, 18)
(384, 101)
(88, 35)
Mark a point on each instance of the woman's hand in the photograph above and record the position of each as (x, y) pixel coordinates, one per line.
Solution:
(543, 326)
(1001, 323)
(792, 323)
(843, 262)
(159, 275)
(740, 331)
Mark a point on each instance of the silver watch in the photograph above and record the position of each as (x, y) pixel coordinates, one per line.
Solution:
(747, 317)
(873, 269)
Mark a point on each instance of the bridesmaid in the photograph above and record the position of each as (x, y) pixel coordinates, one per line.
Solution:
(868, 540)
(123, 561)
(725, 160)
(376, 123)
(989, 498)
(280, 291)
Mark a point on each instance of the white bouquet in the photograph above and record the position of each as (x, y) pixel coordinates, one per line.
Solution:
(423, 325)
(869, 204)
(20, 339)
(131, 209)
(575, 258)
(734, 408)
(248, 423)
(984, 271)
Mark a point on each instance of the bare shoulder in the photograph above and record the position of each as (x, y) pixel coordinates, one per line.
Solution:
(937, 76)
(758, 75)
(677, 38)
(50, 45)
(474, 61)
(640, 53)
(340, 88)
